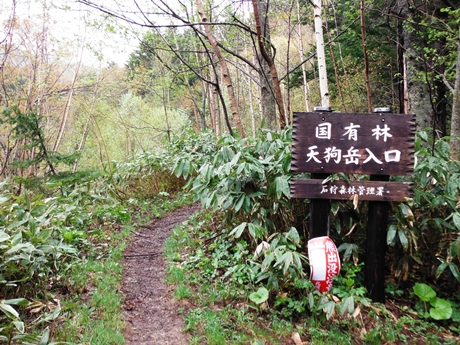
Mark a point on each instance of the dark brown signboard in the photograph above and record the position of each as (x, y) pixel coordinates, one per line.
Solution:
(343, 190)
(377, 144)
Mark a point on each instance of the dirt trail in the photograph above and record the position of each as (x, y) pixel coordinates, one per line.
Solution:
(150, 311)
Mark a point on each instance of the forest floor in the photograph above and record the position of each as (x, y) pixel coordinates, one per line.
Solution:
(150, 311)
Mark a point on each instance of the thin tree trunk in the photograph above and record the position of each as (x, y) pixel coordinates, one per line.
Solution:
(344, 70)
(366, 59)
(323, 84)
(288, 57)
(271, 64)
(336, 69)
(455, 122)
(302, 53)
(65, 115)
(165, 108)
(200, 118)
(267, 104)
(7, 45)
(224, 68)
(82, 143)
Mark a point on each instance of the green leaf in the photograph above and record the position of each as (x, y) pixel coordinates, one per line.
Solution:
(187, 169)
(3, 236)
(454, 270)
(441, 268)
(406, 211)
(294, 236)
(279, 187)
(45, 337)
(282, 186)
(442, 309)
(53, 315)
(456, 219)
(455, 249)
(260, 296)
(256, 231)
(247, 205)
(9, 311)
(348, 304)
(178, 168)
(239, 203)
(403, 239)
(311, 300)
(329, 308)
(284, 260)
(335, 207)
(391, 233)
(297, 260)
(17, 301)
(238, 231)
(424, 292)
(235, 158)
(19, 325)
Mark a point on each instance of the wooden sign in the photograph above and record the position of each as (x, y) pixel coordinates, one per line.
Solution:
(343, 190)
(377, 144)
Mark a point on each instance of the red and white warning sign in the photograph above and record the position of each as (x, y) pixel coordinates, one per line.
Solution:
(324, 262)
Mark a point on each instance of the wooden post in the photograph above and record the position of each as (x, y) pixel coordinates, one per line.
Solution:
(319, 213)
(320, 208)
(376, 245)
(376, 241)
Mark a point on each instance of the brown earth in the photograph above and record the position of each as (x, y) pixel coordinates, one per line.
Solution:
(150, 311)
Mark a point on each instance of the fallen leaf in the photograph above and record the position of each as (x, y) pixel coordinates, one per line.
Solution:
(356, 312)
(296, 338)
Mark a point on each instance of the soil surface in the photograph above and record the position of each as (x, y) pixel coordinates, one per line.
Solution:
(150, 311)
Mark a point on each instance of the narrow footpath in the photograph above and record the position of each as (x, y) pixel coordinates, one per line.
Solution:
(150, 311)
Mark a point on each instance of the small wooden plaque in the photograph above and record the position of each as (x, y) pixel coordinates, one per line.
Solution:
(343, 190)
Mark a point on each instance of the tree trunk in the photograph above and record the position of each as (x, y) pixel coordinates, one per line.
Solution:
(65, 115)
(366, 59)
(334, 63)
(263, 39)
(267, 102)
(455, 122)
(288, 58)
(306, 88)
(323, 84)
(416, 93)
(224, 68)
(82, 143)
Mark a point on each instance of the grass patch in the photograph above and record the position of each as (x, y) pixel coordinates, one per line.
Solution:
(96, 319)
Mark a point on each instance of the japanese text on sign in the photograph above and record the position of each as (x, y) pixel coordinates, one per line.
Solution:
(352, 190)
(353, 143)
(352, 155)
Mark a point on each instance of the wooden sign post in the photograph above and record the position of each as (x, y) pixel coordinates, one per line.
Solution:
(378, 144)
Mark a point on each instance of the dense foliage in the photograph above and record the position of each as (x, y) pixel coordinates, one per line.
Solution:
(267, 263)
(249, 181)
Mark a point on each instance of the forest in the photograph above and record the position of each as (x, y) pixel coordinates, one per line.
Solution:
(201, 111)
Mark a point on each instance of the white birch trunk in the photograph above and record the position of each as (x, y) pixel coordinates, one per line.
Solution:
(322, 73)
